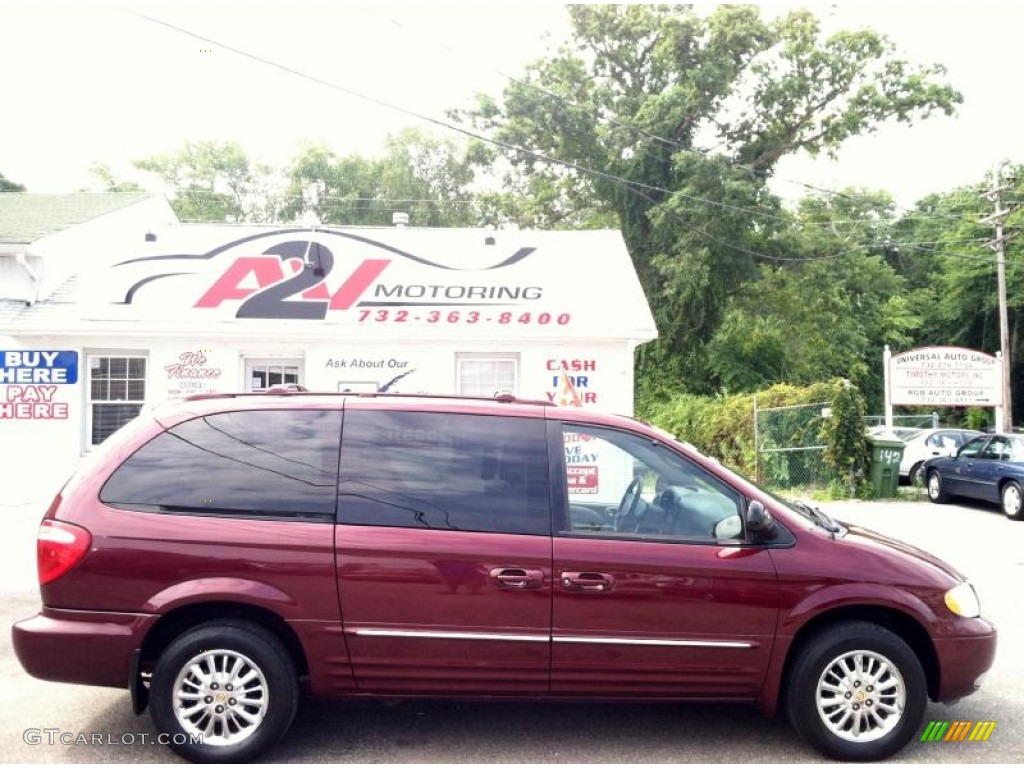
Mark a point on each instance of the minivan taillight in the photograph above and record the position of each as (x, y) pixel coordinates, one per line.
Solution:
(60, 547)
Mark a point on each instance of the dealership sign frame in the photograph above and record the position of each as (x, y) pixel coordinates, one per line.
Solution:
(941, 377)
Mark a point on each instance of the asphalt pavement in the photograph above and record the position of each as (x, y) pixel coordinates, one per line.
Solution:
(98, 726)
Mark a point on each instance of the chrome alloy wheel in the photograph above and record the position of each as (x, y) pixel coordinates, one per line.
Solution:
(934, 486)
(222, 696)
(861, 696)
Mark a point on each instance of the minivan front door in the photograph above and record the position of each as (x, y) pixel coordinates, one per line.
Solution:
(647, 601)
(443, 552)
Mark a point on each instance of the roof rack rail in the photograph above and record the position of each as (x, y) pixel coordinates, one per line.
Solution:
(288, 391)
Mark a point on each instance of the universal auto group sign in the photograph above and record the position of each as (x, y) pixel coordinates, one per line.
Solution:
(945, 376)
(345, 277)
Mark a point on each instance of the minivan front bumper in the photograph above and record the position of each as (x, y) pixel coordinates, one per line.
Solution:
(964, 660)
(85, 647)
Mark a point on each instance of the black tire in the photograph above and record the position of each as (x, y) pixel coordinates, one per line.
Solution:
(816, 661)
(232, 642)
(1011, 499)
(936, 490)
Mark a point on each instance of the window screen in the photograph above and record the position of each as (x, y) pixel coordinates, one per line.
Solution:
(482, 377)
(117, 390)
(455, 472)
(280, 464)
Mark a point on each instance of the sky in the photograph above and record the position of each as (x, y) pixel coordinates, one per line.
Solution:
(84, 83)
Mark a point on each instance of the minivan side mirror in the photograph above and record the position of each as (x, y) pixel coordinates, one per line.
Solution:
(759, 522)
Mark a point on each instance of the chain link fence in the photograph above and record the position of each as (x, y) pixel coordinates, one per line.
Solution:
(788, 449)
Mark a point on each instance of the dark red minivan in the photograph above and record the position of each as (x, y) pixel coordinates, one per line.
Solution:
(221, 556)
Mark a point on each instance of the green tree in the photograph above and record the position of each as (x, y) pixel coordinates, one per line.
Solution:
(6, 185)
(428, 177)
(827, 310)
(944, 242)
(105, 178)
(694, 113)
(846, 445)
(212, 181)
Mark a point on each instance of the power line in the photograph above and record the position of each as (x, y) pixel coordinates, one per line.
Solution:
(627, 183)
(472, 134)
(441, 123)
(619, 122)
(633, 186)
(951, 254)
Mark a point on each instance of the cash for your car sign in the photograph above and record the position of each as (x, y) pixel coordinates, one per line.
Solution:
(31, 381)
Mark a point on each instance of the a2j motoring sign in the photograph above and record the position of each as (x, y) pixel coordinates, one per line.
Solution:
(338, 276)
(32, 380)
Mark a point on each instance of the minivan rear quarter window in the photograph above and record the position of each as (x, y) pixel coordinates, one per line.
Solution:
(259, 463)
(441, 471)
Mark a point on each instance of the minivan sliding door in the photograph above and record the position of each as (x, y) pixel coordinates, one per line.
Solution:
(444, 552)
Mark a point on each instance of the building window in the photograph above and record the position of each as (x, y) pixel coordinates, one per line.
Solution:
(267, 376)
(483, 376)
(262, 374)
(117, 391)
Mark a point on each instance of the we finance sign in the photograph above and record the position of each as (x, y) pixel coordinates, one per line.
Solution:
(299, 274)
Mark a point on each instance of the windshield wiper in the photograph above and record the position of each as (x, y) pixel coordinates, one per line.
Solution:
(818, 516)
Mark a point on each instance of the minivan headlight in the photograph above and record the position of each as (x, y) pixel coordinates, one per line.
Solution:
(963, 601)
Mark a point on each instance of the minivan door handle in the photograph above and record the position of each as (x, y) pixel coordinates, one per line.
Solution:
(518, 578)
(587, 581)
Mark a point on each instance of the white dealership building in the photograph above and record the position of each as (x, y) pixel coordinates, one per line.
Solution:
(109, 305)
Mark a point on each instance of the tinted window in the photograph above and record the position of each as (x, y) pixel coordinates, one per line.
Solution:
(997, 448)
(249, 463)
(622, 485)
(1016, 449)
(971, 448)
(444, 471)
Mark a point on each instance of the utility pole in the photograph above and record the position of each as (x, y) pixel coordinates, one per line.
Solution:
(998, 244)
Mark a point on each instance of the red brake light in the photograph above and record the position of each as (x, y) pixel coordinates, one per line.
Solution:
(59, 548)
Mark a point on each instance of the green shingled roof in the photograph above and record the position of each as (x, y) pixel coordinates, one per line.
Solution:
(26, 216)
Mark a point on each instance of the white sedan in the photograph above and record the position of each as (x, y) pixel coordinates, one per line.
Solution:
(927, 444)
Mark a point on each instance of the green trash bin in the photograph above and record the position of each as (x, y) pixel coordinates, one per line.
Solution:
(886, 455)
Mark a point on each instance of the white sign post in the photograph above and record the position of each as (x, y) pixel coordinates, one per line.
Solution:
(943, 376)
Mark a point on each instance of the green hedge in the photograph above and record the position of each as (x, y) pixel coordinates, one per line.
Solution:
(723, 426)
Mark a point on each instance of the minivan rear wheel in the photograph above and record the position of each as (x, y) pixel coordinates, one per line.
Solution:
(224, 692)
(856, 691)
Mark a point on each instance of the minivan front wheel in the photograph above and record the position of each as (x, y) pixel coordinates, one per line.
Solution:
(224, 692)
(857, 692)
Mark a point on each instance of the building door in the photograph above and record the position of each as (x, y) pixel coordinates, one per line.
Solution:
(263, 373)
